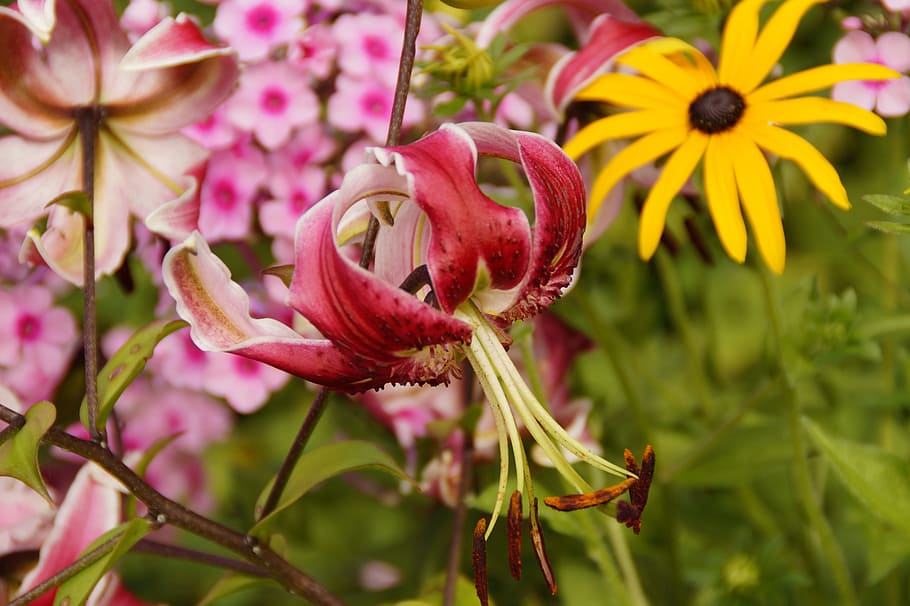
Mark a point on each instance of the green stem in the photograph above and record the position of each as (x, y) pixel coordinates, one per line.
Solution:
(676, 305)
(805, 491)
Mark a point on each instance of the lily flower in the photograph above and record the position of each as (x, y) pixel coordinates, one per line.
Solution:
(87, 88)
(683, 106)
(452, 270)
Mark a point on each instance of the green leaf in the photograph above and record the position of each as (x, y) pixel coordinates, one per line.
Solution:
(230, 584)
(76, 590)
(879, 479)
(19, 454)
(75, 200)
(125, 365)
(893, 205)
(326, 462)
(284, 272)
(890, 227)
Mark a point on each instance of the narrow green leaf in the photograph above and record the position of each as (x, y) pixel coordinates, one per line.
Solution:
(879, 479)
(326, 462)
(19, 454)
(125, 365)
(893, 205)
(75, 200)
(76, 590)
(230, 584)
(284, 272)
(890, 227)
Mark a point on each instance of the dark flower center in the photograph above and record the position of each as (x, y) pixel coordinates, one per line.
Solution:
(716, 110)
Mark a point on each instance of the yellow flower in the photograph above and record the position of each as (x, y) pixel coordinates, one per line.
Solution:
(681, 102)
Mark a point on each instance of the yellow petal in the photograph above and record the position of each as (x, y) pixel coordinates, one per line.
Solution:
(793, 147)
(756, 190)
(723, 202)
(646, 149)
(660, 69)
(738, 40)
(820, 77)
(689, 58)
(636, 92)
(772, 41)
(675, 173)
(620, 126)
(809, 110)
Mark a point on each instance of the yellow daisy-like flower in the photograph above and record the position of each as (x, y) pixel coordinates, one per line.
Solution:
(681, 102)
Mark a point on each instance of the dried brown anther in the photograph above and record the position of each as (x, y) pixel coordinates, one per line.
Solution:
(513, 527)
(540, 549)
(630, 513)
(479, 562)
(572, 502)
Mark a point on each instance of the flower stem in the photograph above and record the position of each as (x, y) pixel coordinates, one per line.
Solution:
(88, 120)
(290, 460)
(802, 478)
(167, 550)
(171, 512)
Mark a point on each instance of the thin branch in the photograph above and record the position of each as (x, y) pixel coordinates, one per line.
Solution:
(166, 511)
(88, 120)
(167, 550)
(290, 460)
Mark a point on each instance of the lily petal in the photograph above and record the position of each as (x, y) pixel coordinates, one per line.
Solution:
(38, 15)
(172, 42)
(91, 508)
(610, 36)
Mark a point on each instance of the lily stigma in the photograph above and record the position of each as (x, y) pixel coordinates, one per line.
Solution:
(681, 103)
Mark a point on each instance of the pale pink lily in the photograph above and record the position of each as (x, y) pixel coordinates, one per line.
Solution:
(450, 272)
(91, 508)
(138, 98)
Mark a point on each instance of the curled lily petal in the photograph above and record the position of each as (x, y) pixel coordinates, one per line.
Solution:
(610, 36)
(171, 42)
(37, 15)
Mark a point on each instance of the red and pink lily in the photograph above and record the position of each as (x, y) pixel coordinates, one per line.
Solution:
(136, 97)
(452, 269)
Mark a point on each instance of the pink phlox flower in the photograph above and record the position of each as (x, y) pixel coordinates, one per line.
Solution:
(142, 15)
(292, 195)
(271, 102)
(255, 27)
(179, 362)
(310, 144)
(232, 181)
(369, 46)
(140, 95)
(25, 518)
(314, 51)
(215, 132)
(897, 6)
(11, 268)
(367, 105)
(889, 98)
(32, 329)
(408, 409)
(515, 111)
(245, 384)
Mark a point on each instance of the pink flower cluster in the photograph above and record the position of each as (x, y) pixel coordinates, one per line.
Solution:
(317, 88)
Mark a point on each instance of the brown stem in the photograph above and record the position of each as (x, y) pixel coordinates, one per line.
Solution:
(88, 120)
(166, 511)
(290, 460)
(191, 555)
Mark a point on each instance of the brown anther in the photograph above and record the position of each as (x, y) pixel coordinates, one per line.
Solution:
(630, 513)
(479, 562)
(571, 502)
(513, 526)
(540, 549)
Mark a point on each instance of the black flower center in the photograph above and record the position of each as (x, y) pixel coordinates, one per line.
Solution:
(716, 110)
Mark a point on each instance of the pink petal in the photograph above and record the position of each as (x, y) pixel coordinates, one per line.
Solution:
(894, 98)
(35, 172)
(609, 37)
(894, 50)
(470, 232)
(176, 220)
(170, 43)
(857, 92)
(39, 15)
(508, 13)
(218, 311)
(359, 311)
(559, 211)
(855, 47)
(91, 508)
